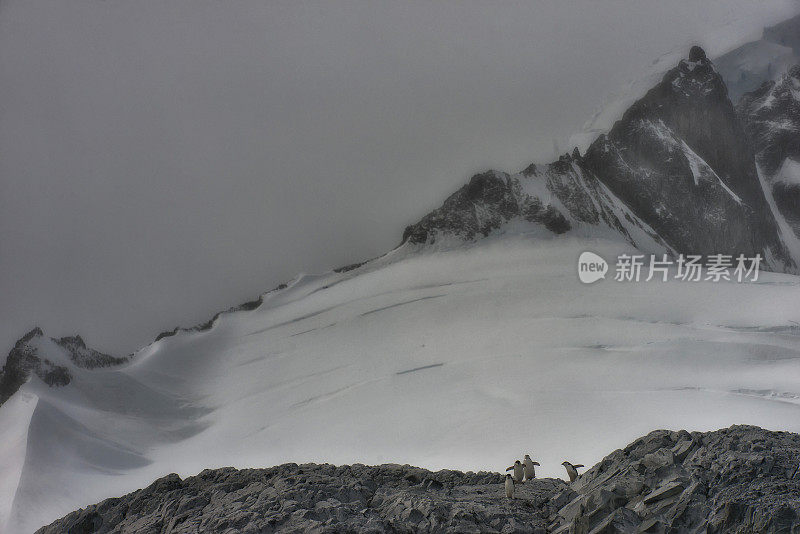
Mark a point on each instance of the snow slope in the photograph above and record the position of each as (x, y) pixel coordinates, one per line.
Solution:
(462, 358)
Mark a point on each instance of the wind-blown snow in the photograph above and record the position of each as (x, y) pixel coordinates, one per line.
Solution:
(701, 169)
(14, 420)
(464, 358)
(789, 173)
(787, 234)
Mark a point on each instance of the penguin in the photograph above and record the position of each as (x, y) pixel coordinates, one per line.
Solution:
(509, 487)
(530, 471)
(572, 470)
(519, 471)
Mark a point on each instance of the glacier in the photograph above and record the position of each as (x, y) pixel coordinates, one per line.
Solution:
(445, 357)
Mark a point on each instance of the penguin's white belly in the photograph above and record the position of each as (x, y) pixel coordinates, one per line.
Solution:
(530, 473)
(518, 473)
(509, 488)
(573, 473)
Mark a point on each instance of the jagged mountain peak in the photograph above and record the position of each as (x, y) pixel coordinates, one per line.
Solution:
(34, 332)
(697, 54)
(696, 77)
(52, 360)
(680, 158)
(676, 173)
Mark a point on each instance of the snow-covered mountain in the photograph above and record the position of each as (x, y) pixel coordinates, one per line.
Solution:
(743, 69)
(457, 358)
(677, 172)
(772, 116)
(471, 343)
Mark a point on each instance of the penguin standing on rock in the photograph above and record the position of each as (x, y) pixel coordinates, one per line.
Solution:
(519, 471)
(509, 487)
(530, 471)
(572, 470)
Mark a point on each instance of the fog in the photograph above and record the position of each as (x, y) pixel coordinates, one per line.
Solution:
(162, 160)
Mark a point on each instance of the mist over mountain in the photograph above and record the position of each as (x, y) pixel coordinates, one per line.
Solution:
(431, 352)
(162, 161)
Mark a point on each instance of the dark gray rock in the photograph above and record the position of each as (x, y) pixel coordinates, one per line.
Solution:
(556, 196)
(676, 157)
(321, 498)
(720, 485)
(679, 166)
(25, 360)
(697, 54)
(700, 482)
(486, 203)
(772, 117)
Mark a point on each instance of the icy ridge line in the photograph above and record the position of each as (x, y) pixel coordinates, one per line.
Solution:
(680, 166)
(632, 184)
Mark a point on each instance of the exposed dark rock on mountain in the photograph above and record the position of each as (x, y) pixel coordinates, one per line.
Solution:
(488, 201)
(560, 197)
(49, 359)
(678, 166)
(741, 479)
(680, 159)
(772, 117)
(202, 327)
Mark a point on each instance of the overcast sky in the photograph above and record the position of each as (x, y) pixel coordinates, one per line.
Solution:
(161, 160)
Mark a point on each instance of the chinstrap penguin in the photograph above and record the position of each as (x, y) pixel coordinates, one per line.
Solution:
(519, 471)
(509, 487)
(572, 470)
(530, 471)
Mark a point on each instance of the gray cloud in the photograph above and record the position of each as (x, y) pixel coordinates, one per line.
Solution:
(162, 160)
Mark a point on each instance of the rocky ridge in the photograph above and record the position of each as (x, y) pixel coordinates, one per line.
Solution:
(740, 479)
(49, 359)
(772, 117)
(677, 173)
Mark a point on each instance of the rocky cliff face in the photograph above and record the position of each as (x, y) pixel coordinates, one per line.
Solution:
(772, 118)
(486, 203)
(49, 359)
(553, 199)
(680, 159)
(741, 479)
(678, 166)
